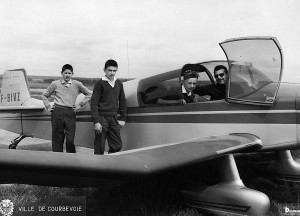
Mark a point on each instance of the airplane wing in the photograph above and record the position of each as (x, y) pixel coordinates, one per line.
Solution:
(30, 105)
(21, 109)
(51, 168)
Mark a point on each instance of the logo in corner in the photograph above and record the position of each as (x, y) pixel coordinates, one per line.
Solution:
(6, 207)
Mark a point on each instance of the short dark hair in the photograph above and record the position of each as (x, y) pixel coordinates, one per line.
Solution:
(67, 67)
(192, 67)
(110, 63)
(192, 74)
(219, 67)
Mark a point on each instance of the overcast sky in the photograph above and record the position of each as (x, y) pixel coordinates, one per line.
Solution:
(145, 37)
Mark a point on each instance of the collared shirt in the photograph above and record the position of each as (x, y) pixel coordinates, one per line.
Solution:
(66, 83)
(184, 91)
(179, 93)
(111, 83)
(108, 101)
(66, 96)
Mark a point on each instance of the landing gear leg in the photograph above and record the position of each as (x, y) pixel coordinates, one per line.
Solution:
(230, 196)
(285, 168)
(16, 141)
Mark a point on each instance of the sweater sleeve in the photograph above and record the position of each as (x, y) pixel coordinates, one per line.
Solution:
(84, 90)
(94, 102)
(49, 91)
(122, 104)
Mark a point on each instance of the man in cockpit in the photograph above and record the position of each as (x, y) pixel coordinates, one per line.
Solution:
(215, 91)
(189, 77)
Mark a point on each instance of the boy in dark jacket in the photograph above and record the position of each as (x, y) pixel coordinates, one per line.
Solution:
(107, 100)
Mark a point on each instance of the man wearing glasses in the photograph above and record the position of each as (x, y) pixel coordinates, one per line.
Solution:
(215, 91)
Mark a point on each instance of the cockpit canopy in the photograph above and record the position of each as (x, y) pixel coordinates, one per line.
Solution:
(254, 73)
(255, 67)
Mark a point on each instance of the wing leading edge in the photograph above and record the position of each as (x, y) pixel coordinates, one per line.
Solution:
(61, 169)
(31, 105)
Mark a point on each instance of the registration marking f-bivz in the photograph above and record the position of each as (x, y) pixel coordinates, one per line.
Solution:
(11, 97)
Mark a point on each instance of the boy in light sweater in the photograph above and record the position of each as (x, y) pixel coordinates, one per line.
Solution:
(63, 115)
(107, 100)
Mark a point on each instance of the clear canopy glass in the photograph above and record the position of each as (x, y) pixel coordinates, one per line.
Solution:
(255, 66)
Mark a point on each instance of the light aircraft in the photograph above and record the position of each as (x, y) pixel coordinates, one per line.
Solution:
(259, 114)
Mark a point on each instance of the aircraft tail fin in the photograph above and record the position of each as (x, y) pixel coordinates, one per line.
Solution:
(15, 92)
(14, 89)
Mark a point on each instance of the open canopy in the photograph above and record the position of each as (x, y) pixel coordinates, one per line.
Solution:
(255, 67)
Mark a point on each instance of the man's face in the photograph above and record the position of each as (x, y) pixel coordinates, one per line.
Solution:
(67, 74)
(190, 84)
(220, 77)
(110, 72)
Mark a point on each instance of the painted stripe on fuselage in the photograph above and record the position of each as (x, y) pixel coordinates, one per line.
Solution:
(216, 112)
(225, 117)
(251, 118)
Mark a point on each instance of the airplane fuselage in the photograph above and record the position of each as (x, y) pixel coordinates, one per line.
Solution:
(276, 125)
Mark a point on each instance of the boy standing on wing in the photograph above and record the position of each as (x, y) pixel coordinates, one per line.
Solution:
(107, 100)
(63, 112)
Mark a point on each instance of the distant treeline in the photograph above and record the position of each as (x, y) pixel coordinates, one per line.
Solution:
(49, 79)
(86, 81)
(42, 82)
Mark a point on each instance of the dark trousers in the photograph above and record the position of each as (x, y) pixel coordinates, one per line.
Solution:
(111, 132)
(63, 126)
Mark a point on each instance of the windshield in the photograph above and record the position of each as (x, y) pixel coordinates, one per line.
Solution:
(255, 69)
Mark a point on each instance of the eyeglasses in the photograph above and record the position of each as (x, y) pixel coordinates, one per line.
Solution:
(217, 75)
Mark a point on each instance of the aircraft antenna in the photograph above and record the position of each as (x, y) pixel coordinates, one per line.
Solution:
(128, 61)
